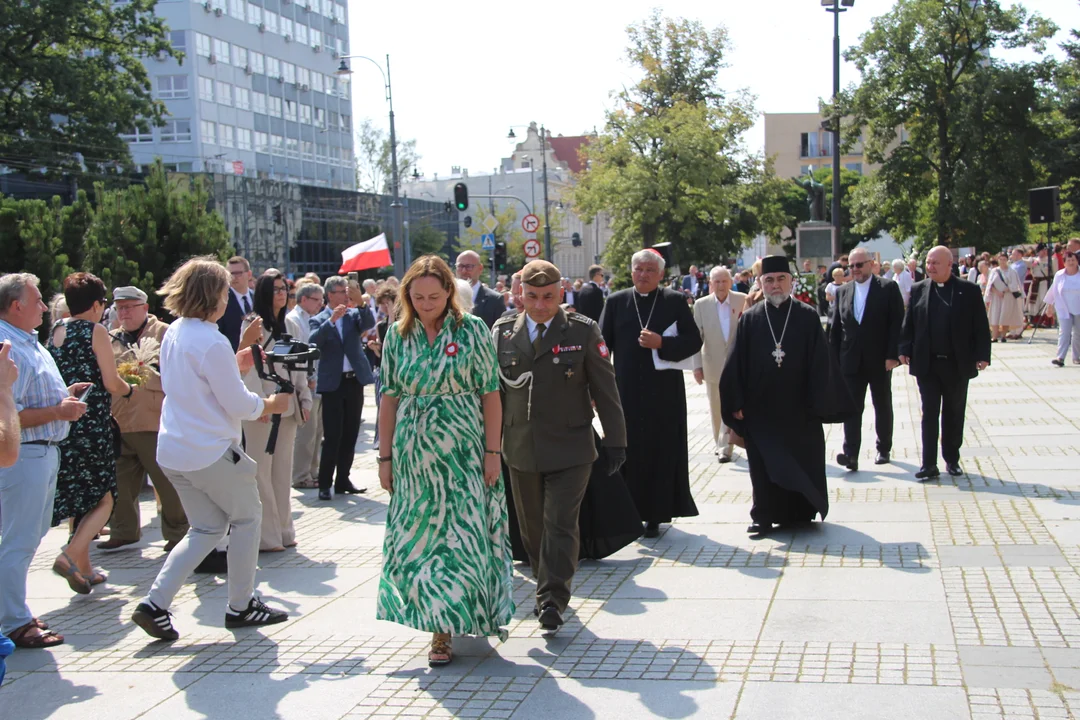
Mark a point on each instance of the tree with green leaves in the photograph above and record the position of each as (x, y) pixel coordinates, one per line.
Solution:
(967, 120)
(670, 165)
(1063, 158)
(139, 235)
(508, 230)
(44, 238)
(71, 81)
(374, 163)
(425, 239)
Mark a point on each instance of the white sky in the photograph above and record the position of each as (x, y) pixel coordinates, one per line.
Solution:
(463, 72)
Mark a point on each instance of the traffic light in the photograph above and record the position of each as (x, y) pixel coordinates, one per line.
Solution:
(448, 207)
(500, 255)
(468, 221)
(461, 197)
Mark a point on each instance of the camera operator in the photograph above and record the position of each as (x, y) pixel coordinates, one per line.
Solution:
(199, 448)
(274, 473)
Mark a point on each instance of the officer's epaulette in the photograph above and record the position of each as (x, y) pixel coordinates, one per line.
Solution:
(581, 318)
(507, 319)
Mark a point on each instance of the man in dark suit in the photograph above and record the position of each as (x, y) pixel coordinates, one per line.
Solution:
(488, 305)
(590, 299)
(343, 372)
(241, 300)
(693, 283)
(945, 340)
(865, 334)
(916, 273)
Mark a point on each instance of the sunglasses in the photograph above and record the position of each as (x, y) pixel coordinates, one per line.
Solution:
(859, 265)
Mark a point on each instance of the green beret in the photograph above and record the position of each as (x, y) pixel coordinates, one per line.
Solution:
(540, 273)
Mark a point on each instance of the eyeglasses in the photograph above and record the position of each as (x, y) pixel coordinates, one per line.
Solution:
(237, 273)
(858, 265)
(469, 266)
(279, 290)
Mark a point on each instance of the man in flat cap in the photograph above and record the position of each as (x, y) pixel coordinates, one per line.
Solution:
(139, 417)
(554, 366)
(780, 383)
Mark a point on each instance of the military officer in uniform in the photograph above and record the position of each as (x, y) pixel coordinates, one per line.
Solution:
(554, 367)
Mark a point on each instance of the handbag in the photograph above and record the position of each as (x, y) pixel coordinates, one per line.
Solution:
(1016, 293)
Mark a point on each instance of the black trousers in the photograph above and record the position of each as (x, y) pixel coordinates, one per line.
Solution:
(944, 392)
(341, 410)
(881, 396)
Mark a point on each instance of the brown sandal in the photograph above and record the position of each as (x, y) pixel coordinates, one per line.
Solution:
(39, 624)
(441, 651)
(44, 639)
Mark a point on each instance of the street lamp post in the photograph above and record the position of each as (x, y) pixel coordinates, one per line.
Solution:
(400, 242)
(532, 161)
(834, 6)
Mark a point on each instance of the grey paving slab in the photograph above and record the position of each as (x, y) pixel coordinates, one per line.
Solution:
(998, 676)
(663, 619)
(78, 696)
(1001, 656)
(969, 556)
(858, 621)
(689, 583)
(769, 701)
(860, 584)
(564, 699)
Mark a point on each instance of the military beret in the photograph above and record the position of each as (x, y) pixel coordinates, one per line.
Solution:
(540, 273)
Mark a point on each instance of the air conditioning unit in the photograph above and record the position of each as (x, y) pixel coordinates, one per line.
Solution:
(162, 56)
(316, 48)
(308, 8)
(207, 6)
(335, 54)
(288, 38)
(212, 59)
(281, 79)
(218, 12)
(262, 27)
(248, 70)
(284, 2)
(304, 87)
(333, 20)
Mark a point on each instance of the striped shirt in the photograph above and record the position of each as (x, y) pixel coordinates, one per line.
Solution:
(40, 384)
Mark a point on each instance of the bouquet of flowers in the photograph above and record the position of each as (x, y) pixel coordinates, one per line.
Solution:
(140, 361)
(805, 284)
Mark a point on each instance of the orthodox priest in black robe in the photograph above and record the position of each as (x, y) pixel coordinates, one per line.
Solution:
(779, 385)
(635, 322)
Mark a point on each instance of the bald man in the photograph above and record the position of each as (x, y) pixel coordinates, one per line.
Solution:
(487, 304)
(945, 341)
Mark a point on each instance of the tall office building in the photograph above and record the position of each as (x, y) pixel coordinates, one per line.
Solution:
(256, 94)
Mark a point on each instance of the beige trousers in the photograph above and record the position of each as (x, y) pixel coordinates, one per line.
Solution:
(721, 436)
(308, 446)
(274, 477)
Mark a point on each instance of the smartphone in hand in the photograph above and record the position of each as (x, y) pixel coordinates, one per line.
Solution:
(85, 394)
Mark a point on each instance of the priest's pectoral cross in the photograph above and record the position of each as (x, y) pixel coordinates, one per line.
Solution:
(778, 354)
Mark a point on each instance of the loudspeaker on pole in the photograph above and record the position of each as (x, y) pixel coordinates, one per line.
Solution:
(1044, 205)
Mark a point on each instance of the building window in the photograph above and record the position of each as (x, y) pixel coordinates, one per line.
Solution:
(277, 145)
(826, 144)
(307, 150)
(176, 130)
(239, 56)
(301, 33)
(346, 123)
(342, 89)
(136, 135)
(290, 110)
(208, 131)
(226, 135)
(292, 148)
(328, 8)
(334, 119)
(218, 5)
(254, 14)
(224, 93)
(271, 20)
(274, 104)
(243, 139)
(242, 98)
(339, 13)
(854, 167)
(305, 114)
(317, 81)
(237, 9)
(221, 50)
(320, 152)
(303, 76)
(258, 102)
(288, 70)
(320, 117)
(273, 67)
(258, 62)
(262, 142)
(808, 145)
(178, 40)
(206, 89)
(172, 87)
(316, 37)
(286, 27)
(202, 44)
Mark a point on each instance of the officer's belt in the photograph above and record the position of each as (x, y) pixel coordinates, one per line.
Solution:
(525, 377)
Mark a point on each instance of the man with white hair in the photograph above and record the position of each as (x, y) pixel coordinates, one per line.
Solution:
(643, 325)
(780, 383)
(716, 315)
(902, 278)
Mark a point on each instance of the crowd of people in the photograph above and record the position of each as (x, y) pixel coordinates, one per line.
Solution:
(485, 411)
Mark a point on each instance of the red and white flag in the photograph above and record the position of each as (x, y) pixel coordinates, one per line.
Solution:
(373, 253)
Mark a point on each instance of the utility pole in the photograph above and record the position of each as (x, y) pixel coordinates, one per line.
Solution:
(836, 240)
(547, 223)
(491, 206)
(400, 261)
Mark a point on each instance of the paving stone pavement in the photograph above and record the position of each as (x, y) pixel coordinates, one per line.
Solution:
(952, 599)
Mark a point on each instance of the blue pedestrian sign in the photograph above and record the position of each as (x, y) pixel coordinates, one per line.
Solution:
(487, 241)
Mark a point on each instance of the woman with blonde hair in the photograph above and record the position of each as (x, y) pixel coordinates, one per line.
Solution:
(199, 449)
(756, 293)
(446, 555)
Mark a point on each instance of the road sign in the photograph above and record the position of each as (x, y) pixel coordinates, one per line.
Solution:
(530, 223)
(487, 241)
(490, 223)
(532, 248)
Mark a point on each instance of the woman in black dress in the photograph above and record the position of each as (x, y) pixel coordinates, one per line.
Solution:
(86, 484)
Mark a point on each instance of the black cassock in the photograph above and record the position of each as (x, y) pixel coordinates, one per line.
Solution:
(784, 408)
(657, 469)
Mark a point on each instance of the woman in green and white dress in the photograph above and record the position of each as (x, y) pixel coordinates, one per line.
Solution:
(446, 556)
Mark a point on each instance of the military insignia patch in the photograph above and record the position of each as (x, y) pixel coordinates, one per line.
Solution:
(602, 347)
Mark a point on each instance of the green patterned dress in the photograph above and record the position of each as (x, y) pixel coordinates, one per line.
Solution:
(446, 556)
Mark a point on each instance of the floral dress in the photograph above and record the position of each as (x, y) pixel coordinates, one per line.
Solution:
(446, 555)
(87, 455)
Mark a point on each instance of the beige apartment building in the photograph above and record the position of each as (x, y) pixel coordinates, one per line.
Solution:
(798, 144)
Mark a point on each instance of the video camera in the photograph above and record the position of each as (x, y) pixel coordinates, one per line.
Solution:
(295, 356)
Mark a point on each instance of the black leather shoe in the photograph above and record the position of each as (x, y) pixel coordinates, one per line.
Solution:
(216, 563)
(652, 530)
(928, 473)
(725, 459)
(760, 529)
(325, 495)
(882, 459)
(954, 469)
(550, 617)
(850, 463)
(350, 490)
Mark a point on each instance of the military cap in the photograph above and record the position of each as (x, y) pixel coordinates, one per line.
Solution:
(540, 273)
(128, 292)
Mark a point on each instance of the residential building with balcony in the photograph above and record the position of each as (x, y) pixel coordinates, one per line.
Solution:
(799, 144)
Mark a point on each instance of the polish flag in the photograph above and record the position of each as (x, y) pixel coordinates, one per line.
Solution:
(373, 253)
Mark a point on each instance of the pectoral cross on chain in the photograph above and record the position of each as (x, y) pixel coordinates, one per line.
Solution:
(778, 354)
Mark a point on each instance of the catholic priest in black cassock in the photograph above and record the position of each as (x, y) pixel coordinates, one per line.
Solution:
(779, 385)
(635, 322)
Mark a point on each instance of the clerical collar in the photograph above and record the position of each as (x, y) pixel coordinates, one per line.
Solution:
(644, 295)
(943, 284)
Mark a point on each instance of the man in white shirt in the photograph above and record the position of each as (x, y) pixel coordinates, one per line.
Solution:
(716, 315)
(903, 279)
(309, 303)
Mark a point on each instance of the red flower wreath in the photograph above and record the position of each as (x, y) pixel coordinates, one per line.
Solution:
(451, 349)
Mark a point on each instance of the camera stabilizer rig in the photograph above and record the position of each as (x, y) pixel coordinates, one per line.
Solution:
(293, 355)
